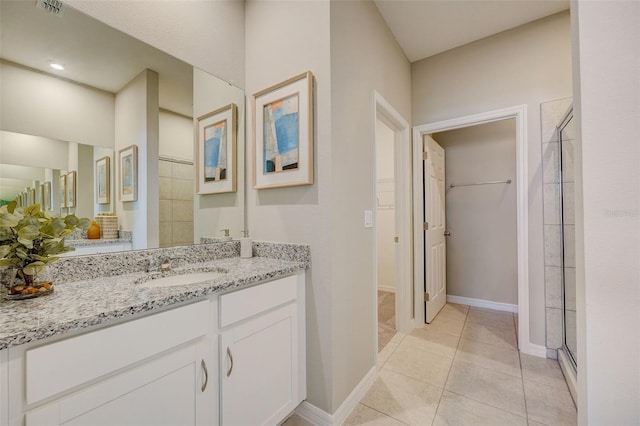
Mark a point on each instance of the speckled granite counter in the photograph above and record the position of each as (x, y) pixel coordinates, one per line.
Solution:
(78, 303)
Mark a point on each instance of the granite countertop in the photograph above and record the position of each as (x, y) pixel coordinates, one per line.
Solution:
(81, 304)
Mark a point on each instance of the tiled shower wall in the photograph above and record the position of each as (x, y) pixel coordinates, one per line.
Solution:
(551, 113)
(176, 203)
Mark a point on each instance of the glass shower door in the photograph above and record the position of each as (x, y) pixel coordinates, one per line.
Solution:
(567, 206)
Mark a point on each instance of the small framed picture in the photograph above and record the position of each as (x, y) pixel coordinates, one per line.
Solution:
(102, 180)
(216, 151)
(62, 191)
(128, 159)
(283, 134)
(71, 188)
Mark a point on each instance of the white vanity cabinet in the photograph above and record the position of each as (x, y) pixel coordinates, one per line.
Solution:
(262, 353)
(157, 370)
(236, 358)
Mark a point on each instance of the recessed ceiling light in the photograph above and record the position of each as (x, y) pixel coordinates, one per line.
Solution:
(56, 66)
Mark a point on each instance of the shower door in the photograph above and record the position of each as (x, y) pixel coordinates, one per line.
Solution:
(567, 209)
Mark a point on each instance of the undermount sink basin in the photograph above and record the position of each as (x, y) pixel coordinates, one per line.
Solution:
(183, 279)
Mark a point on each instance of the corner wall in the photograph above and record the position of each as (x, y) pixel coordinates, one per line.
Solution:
(606, 49)
(365, 57)
(528, 65)
(284, 39)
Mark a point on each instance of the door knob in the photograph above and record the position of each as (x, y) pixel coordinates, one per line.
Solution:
(447, 233)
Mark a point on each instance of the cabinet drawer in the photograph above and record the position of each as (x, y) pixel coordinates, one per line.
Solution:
(245, 303)
(59, 366)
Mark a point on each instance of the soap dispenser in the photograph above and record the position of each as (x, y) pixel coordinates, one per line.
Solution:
(246, 246)
(226, 236)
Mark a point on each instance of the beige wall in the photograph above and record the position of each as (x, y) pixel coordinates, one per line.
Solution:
(206, 34)
(364, 57)
(136, 123)
(482, 249)
(215, 212)
(37, 104)
(284, 39)
(527, 65)
(606, 48)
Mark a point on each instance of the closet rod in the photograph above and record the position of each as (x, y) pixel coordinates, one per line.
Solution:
(482, 183)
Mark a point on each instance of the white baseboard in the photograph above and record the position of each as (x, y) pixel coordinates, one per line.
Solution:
(481, 303)
(532, 349)
(569, 375)
(387, 288)
(319, 417)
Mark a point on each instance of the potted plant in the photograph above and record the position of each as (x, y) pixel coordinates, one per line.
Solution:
(30, 239)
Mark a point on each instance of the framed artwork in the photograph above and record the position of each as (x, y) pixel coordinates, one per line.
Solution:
(128, 159)
(216, 151)
(283, 134)
(62, 191)
(71, 188)
(102, 180)
(46, 196)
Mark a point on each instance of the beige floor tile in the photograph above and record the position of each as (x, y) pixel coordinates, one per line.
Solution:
(385, 353)
(409, 400)
(458, 410)
(491, 318)
(452, 312)
(490, 335)
(534, 423)
(542, 370)
(384, 336)
(363, 415)
(497, 389)
(419, 364)
(446, 325)
(439, 343)
(489, 356)
(296, 420)
(549, 405)
(397, 338)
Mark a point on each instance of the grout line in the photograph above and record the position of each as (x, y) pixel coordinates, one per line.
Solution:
(524, 394)
(444, 386)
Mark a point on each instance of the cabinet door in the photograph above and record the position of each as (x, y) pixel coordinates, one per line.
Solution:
(259, 365)
(164, 391)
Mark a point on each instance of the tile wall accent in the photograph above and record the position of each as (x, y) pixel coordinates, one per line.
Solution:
(551, 113)
(176, 203)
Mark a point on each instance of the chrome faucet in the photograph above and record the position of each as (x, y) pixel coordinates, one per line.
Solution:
(162, 264)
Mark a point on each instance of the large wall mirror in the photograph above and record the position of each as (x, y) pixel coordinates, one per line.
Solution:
(75, 123)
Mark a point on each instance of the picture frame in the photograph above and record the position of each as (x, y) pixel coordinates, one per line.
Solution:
(128, 173)
(62, 191)
(103, 187)
(71, 188)
(216, 154)
(283, 129)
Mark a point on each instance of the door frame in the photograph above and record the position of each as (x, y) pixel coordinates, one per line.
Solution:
(519, 113)
(384, 111)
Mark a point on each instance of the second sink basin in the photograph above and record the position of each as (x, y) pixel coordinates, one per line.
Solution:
(183, 279)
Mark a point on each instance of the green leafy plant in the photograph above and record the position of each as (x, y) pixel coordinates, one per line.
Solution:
(31, 238)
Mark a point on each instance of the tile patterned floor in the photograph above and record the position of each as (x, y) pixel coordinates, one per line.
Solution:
(463, 369)
(386, 318)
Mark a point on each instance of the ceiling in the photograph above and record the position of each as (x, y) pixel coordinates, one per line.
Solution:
(92, 52)
(425, 28)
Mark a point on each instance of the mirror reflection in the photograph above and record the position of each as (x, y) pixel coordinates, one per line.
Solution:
(65, 133)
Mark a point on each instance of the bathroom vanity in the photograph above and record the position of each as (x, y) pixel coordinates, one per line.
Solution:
(118, 350)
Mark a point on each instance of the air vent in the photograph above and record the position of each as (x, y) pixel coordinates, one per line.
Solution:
(54, 7)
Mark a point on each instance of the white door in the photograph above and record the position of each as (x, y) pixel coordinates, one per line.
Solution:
(435, 248)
